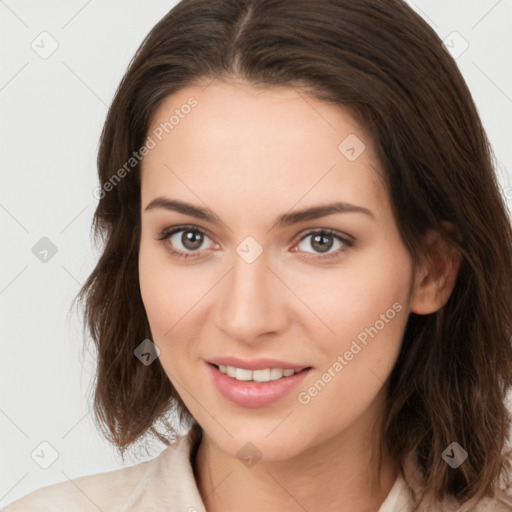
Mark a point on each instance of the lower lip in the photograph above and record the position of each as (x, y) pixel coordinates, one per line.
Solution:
(254, 394)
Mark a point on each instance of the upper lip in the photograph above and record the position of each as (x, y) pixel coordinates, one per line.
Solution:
(256, 364)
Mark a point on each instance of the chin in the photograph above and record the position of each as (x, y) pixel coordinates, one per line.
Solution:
(269, 442)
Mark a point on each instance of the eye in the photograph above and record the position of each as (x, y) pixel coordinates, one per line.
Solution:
(188, 242)
(322, 241)
(184, 241)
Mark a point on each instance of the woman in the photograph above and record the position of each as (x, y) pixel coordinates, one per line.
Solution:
(306, 257)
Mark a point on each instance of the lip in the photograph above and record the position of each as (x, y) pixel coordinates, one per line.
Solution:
(254, 394)
(256, 364)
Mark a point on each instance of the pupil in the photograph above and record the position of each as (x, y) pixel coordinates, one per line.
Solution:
(322, 239)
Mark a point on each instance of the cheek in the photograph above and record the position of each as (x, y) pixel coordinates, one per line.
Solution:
(163, 290)
(152, 282)
(162, 307)
(367, 308)
(369, 320)
(373, 300)
(172, 296)
(162, 285)
(357, 296)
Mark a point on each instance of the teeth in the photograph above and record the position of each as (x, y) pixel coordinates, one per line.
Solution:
(276, 373)
(242, 374)
(261, 375)
(265, 375)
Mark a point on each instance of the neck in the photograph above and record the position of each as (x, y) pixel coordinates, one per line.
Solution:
(338, 475)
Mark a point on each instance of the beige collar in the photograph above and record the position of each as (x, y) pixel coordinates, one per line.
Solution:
(169, 484)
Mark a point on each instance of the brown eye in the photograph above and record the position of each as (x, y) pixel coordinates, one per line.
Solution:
(322, 241)
(192, 240)
(184, 241)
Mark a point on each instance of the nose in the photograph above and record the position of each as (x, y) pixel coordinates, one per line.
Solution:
(251, 302)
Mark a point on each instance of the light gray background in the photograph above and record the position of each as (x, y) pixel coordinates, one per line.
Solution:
(51, 115)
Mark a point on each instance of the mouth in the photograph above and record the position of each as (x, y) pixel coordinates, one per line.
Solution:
(257, 387)
(260, 375)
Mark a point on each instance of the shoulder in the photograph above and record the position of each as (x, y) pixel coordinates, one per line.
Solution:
(497, 504)
(101, 491)
(500, 503)
(427, 502)
(119, 490)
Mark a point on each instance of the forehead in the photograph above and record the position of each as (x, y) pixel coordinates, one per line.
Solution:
(259, 147)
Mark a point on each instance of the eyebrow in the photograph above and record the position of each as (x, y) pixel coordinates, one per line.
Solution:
(286, 219)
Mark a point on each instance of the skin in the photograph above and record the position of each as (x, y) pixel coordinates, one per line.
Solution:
(250, 155)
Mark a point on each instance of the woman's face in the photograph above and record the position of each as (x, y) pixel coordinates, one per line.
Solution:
(259, 284)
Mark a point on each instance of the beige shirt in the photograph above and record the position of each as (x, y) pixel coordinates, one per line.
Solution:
(165, 483)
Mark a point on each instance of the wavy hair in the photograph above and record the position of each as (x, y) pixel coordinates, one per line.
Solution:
(384, 63)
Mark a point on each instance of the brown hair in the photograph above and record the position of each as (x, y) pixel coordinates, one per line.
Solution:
(386, 65)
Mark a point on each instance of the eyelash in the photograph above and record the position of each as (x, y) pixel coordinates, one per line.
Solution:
(167, 233)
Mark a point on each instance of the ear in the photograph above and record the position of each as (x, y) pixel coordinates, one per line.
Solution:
(436, 275)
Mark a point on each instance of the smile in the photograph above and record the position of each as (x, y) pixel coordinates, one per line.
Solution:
(264, 375)
(255, 388)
